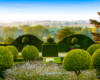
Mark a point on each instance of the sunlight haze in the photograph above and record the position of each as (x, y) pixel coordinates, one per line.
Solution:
(60, 10)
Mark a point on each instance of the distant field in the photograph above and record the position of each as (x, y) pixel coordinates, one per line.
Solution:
(77, 25)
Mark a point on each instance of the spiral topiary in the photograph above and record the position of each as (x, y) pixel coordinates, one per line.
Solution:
(6, 59)
(77, 60)
(30, 52)
(74, 40)
(91, 49)
(96, 61)
(14, 51)
(25, 40)
(50, 40)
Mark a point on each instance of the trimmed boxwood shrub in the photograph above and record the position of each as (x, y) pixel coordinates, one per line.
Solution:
(50, 50)
(74, 40)
(25, 40)
(6, 59)
(91, 49)
(96, 58)
(96, 61)
(83, 40)
(77, 60)
(30, 52)
(33, 40)
(50, 40)
(13, 50)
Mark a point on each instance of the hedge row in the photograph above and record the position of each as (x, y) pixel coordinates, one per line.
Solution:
(83, 40)
(64, 45)
(33, 40)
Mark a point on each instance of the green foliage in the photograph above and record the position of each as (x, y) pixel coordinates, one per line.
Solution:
(33, 40)
(63, 33)
(75, 46)
(91, 49)
(9, 40)
(50, 63)
(76, 60)
(25, 40)
(30, 52)
(49, 35)
(34, 30)
(96, 59)
(50, 50)
(23, 27)
(13, 50)
(45, 32)
(6, 58)
(1, 39)
(74, 40)
(50, 40)
(10, 30)
(64, 45)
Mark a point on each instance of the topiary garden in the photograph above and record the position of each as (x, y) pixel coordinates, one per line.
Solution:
(77, 60)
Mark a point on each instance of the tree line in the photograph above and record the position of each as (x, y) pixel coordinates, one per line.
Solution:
(40, 31)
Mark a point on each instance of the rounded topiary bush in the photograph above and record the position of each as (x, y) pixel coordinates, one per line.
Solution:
(96, 61)
(50, 40)
(30, 52)
(77, 60)
(74, 40)
(14, 51)
(91, 49)
(96, 58)
(6, 59)
(25, 40)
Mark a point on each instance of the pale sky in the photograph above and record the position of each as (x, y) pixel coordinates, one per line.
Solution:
(60, 10)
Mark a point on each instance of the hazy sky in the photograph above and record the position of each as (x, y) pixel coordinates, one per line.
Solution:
(28, 10)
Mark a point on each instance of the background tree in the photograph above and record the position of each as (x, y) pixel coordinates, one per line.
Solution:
(55, 36)
(1, 39)
(63, 33)
(49, 35)
(45, 32)
(23, 27)
(9, 40)
(97, 25)
(28, 30)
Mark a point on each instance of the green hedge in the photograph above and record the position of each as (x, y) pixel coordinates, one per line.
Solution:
(83, 40)
(50, 50)
(33, 40)
(21, 60)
